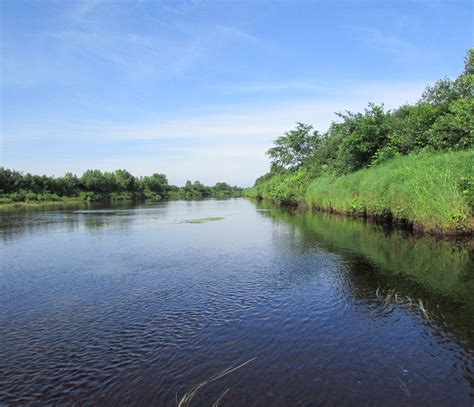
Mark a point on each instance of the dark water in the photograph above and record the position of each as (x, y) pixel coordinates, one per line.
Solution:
(132, 305)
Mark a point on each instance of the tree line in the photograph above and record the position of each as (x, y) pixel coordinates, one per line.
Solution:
(441, 120)
(93, 185)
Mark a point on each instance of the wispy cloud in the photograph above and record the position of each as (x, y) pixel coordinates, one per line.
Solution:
(236, 34)
(276, 86)
(67, 55)
(389, 43)
(180, 7)
(80, 9)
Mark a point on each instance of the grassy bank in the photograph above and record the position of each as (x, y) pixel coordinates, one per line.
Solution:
(433, 192)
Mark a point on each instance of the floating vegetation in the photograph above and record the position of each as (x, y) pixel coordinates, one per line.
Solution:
(203, 220)
(188, 396)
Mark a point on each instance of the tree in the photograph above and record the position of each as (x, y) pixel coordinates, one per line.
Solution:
(294, 147)
(157, 183)
(123, 181)
(363, 135)
(94, 181)
(469, 62)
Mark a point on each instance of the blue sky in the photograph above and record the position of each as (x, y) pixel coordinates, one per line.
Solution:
(199, 89)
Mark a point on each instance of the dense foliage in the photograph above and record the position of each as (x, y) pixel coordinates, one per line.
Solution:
(97, 185)
(441, 121)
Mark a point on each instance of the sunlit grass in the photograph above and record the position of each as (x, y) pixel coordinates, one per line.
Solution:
(434, 191)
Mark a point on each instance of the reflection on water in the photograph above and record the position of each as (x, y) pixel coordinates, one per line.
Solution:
(430, 276)
(18, 222)
(131, 304)
(442, 266)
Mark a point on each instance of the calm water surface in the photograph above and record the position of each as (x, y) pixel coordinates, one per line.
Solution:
(132, 305)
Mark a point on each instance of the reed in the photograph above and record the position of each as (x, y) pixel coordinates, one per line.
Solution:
(185, 401)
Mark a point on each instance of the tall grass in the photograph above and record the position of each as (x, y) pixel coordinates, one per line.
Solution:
(434, 191)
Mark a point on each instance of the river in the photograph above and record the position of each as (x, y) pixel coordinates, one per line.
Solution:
(136, 304)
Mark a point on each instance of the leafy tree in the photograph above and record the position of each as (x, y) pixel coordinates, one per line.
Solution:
(363, 134)
(94, 181)
(68, 185)
(123, 181)
(469, 62)
(294, 147)
(157, 183)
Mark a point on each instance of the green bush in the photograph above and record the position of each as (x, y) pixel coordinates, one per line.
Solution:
(285, 186)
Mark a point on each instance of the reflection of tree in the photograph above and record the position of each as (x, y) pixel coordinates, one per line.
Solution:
(15, 224)
(42, 220)
(106, 220)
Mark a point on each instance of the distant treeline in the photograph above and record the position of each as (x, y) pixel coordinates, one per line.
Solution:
(94, 185)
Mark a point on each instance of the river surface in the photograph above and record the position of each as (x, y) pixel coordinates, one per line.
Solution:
(135, 305)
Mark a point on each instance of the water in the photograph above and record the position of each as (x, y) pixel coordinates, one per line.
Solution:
(132, 305)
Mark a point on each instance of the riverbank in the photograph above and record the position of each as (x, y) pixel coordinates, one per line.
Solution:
(428, 192)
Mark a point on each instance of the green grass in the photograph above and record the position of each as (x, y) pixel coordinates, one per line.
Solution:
(433, 191)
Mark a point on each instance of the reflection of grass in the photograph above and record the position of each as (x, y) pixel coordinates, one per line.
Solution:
(436, 263)
(203, 220)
